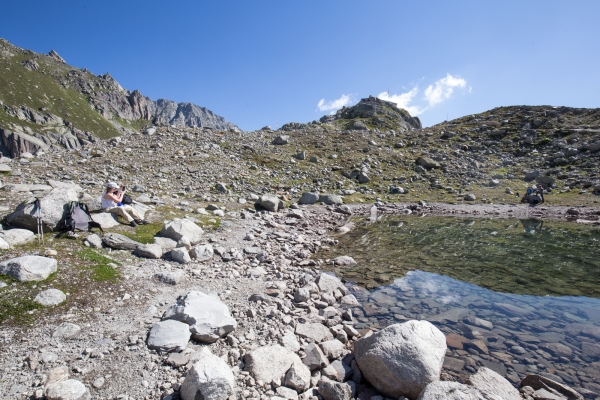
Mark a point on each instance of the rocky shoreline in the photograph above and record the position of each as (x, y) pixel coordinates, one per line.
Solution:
(278, 326)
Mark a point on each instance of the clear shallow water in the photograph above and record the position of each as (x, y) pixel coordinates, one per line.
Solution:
(516, 296)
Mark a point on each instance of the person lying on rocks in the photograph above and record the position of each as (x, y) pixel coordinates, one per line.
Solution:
(112, 202)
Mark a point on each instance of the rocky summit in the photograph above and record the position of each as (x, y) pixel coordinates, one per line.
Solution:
(227, 292)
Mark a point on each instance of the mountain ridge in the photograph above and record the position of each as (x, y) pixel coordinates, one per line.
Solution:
(46, 98)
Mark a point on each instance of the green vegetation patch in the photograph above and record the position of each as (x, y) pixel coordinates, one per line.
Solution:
(102, 267)
(16, 302)
(145, 233)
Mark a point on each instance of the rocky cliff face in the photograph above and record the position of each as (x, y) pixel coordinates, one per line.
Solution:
(44, 95)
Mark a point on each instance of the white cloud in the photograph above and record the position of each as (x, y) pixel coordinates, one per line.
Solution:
(443, 89)
(334, 105)
(403, 100)
(434, 94)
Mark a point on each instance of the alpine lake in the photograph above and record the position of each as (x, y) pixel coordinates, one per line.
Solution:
(517, 296)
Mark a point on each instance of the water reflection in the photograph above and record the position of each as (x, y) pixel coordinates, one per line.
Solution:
(512, 334)
(480, 282)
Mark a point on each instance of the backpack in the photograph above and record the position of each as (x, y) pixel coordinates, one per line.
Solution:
(79, 218)
(127, 199)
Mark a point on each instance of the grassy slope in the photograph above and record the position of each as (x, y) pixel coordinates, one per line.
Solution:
(37, 89)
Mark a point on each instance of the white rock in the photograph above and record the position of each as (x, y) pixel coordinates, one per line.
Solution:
(267, 363)
(179, 228)
(332, 348)
(209, 378)
(165, 243)
(298, 377)
(169, 335)
(169, 277)
(270, 202)
(202, 253)
(331, 390)
(152, 250)
(287, 393)
(315, 331)
(3, 244)
(443, 390)
(70, 389)
(180, 255)
(208, 317)
(344, 261)
(94, 241)
(492, 384)
(383, 357)
(106, 220)
(329, 283)
(290, 342)
(50, 297)
(28, 268)
(66, 329)
(16, 237)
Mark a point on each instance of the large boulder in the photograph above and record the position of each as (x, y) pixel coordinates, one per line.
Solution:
(182, 227)
(298, 377)
(267, 363)
(53, 206)
(270, 202)
(119, 242)
(208, 317)
(28, 268)
(281, 140)
(169, 335)
(70, 389)
(443, 390)
(385, 356)
(16, 237)
(209, 378)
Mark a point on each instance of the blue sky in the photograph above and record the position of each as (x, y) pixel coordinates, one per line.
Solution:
(269, 62)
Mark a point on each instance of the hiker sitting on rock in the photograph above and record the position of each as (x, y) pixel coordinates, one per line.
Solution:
(112, 202)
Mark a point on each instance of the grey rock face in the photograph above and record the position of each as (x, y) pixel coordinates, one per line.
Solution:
(180, 227)
(314, 357)
(165, 243)
(208, 317)
(309, 198)
(149, 251)
(53, 205)
(169, 335)
(209, 378)
(270, 362)
(298, 377)
(119, 242)
(50, 297)
(470, 197)
(383, 357)
(28, 268)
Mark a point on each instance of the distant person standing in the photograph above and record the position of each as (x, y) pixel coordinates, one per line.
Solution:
(112, 202)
